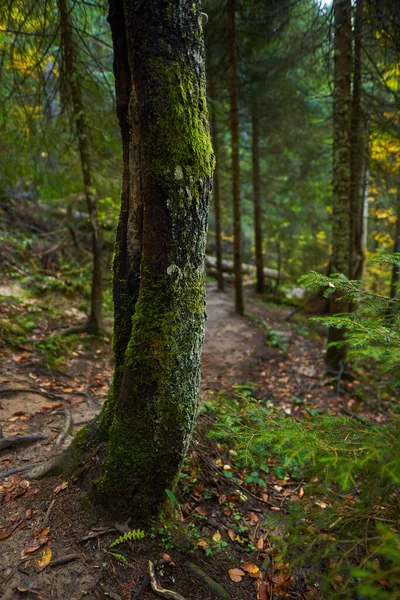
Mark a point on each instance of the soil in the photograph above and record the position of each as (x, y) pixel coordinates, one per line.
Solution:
(284, 364)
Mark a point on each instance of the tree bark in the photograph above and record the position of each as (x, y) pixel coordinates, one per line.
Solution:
(234, 118)
(335, 356)
(260, 285)
(216, 189)
(83, 133)
(358, 145)
(133, 451)
(396, 248)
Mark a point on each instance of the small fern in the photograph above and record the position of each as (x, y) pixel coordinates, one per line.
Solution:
(135, 534)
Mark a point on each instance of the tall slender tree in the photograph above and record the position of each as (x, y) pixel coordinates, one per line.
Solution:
(255, 129)
(234, 118)
(80, 120)
(335, 355)
(216, 183)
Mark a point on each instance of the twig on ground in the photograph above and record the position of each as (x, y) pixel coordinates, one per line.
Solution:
(66, 429)
(159, 590)
(62, 560)
(93, 536)
(47, 516)
(17, 440)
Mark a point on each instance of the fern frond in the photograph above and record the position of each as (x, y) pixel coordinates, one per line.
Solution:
(134, 534)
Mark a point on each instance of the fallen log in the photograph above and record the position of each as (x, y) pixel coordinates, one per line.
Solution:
(228, 267)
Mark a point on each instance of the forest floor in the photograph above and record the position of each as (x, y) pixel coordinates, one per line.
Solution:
(44, 524)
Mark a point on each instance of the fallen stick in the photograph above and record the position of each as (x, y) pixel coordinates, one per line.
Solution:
(66, 429)
(93, 536)
(17, 440)
(62, 560)
(159, 590)
(46, 518)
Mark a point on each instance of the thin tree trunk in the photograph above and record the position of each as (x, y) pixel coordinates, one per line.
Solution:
(396, 248)
(335, 356)
(216, 188)
(234, 117)
(357, 152)
(82, 129)
(260, 285)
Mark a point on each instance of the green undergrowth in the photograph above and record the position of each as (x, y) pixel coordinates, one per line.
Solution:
(345, 527)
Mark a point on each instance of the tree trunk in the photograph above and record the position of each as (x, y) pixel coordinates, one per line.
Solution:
(335, 356)
(216, 188)
(133, 451)
(357, 153)
(234, 116)
(260, 285)
(396, 269)
(82, 129)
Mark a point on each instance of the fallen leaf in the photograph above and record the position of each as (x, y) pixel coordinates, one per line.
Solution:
(263, 591)
(169, 559)
(231, 534)
(260, 544)
(37, 541)
(236, 575)
(301, 493)
(249, 567)
(202, 544)
(62, 486)
(321, 504)
(5, 533)
(216, 537)
(41, 563)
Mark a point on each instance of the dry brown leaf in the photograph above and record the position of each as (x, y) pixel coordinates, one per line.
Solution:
(260, 544)
(236, 575)
(202, 544)
(301, 493)
(231, 534)
(5, 533)
(62, 486)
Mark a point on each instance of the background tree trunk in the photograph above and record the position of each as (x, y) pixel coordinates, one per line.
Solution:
(335, 356)
(260, 285)
(142, 434)
(216, 188)
(234, 114)
(357, 153)
(82, 129)
(396, 248)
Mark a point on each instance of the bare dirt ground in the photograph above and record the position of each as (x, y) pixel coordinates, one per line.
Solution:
(45, 522)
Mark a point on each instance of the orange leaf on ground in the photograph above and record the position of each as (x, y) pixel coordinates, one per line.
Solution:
(249, 567)
(41, 563)
(37, 541)
(202, 544)
(61, 487)
(231, 534)
(260, 544)
(236, 575)
(263, 590)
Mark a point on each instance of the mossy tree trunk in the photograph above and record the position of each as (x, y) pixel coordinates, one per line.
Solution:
(260, 285)
(133, 451)
(68, 47)
(234, 118)
(335, 356)
(394, 284)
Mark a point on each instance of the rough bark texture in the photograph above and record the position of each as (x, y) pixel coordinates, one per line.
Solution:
(82, 129)
(260, 285)
(216, 190)
(394, 284)
(335, 356)
(138, 443)
(357, 154)
(234, 117)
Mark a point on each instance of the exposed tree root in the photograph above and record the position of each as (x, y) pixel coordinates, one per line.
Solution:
(13, 391)
(66, 429)
(212, 585)
(54, 466)
(89, 326)
(18, 440)
(158, 589)
(15, 470)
